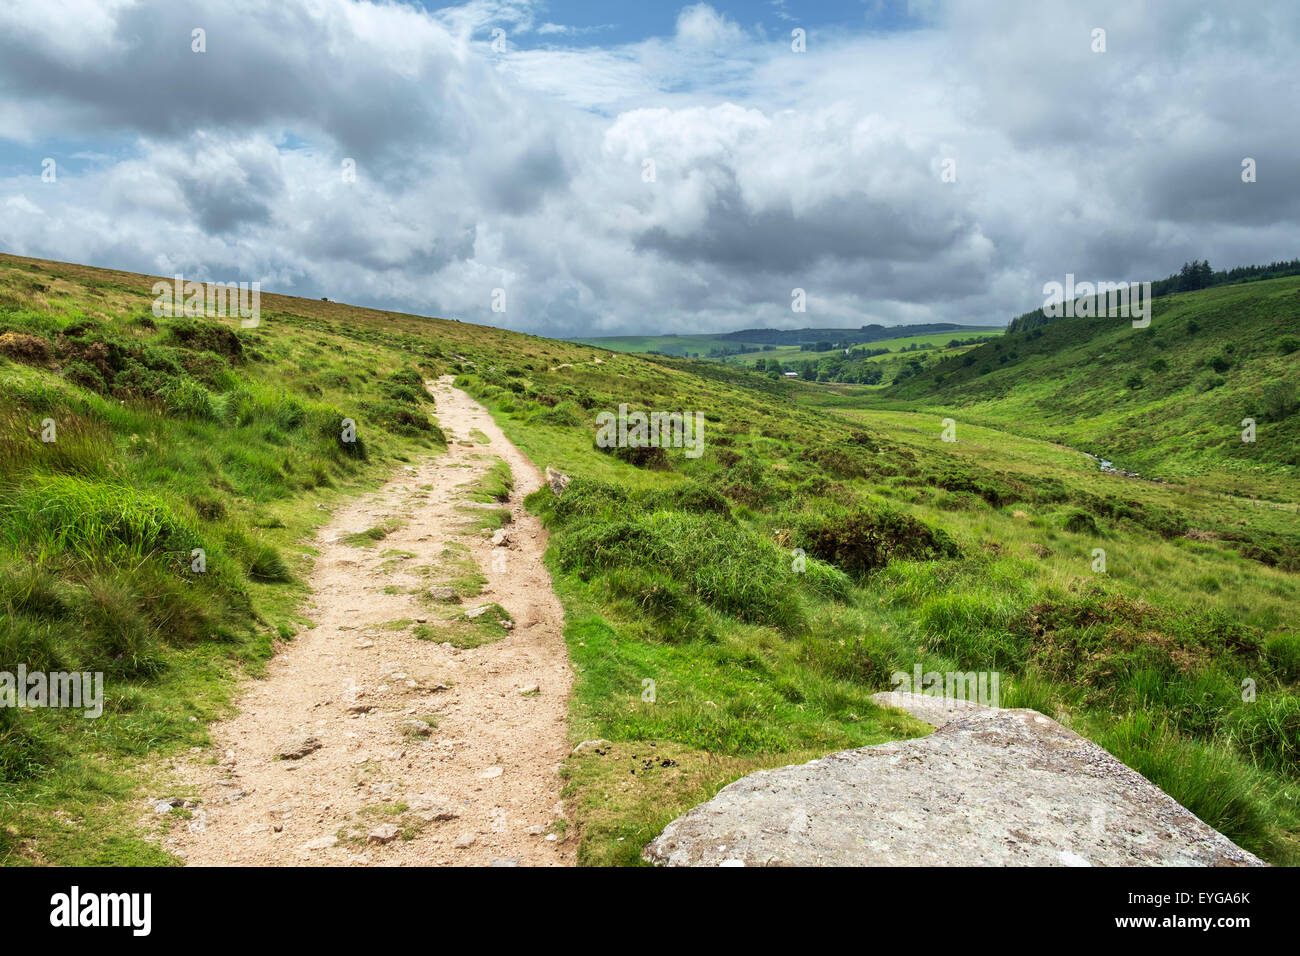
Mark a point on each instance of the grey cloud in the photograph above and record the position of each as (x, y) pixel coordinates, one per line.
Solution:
(517, 181)
(265, 64)
(477, 171)
(848, 228)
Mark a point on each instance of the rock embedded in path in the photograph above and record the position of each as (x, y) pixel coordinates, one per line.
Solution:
(295, 748)
(431, 807)
(500, 538)
(167, 804)
(385, 833)
(443, 594)
(417, 728)
(988, 788)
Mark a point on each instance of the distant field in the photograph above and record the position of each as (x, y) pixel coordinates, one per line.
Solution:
(790, 353)
(686, 346)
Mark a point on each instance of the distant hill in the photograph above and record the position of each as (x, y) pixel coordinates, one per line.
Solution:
(1192, 276)
(1169, 398)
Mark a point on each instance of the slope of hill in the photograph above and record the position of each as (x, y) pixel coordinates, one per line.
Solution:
(725, 612)
(1193, 276)
(1166, 401)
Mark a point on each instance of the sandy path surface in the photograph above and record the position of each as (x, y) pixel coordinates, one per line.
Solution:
(483, 786)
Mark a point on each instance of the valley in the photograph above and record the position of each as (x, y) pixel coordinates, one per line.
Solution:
(724, 612)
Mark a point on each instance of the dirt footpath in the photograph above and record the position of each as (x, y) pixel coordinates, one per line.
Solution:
(409, 751)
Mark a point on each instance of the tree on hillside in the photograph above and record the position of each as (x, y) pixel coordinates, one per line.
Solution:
(1195, 275)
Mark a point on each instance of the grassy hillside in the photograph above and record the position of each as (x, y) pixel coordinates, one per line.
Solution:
(724, 613)
(1167, 400)
(173, 435)
(977, 555)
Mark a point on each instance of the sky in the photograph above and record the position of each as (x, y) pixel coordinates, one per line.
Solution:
(583, 168)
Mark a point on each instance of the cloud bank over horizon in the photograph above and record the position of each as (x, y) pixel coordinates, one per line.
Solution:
(665, 171)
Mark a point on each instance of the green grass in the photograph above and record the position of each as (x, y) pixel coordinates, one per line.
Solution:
(455, 568)
(700, 345)
(904, 354)
(484, 519)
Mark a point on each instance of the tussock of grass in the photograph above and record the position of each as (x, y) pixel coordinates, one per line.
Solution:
(465, 632)
(371, 536)
(494, 485)
(484, 519)
(454, 568)
(1210, 781)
